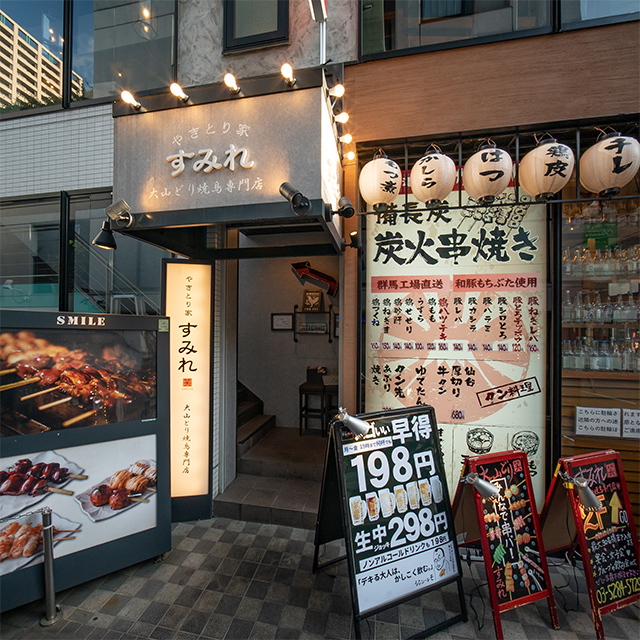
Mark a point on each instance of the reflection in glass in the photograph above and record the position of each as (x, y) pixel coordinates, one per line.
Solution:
(122, 44)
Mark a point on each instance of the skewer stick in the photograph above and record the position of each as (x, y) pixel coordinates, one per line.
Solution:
(42, 407)
(6, 371)
(139, 500)
(22, 383)
(38, 393)
(63, 539)
(77, 476)
(82, 416)
(64, 492)
(57, 531)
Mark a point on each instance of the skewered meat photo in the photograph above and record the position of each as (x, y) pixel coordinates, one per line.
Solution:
(26, 481)
(58, 379)
(21, 540)
(122, 490)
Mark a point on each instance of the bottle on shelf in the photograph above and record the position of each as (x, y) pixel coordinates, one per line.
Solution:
(615, 357)
(608, 263)
(608, 311)
(598, 309)
(632, 309)
(577, 308)
(588, 263)
(579, 355)
(568, 362)
(619, 268)
(599, 264)
(619, 309)
(567, 308)
(566, 263)
(577, 264)
(587, 308)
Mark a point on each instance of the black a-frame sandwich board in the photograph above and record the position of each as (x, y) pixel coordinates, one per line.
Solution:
(385, 494)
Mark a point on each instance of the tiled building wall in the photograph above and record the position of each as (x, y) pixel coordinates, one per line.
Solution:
(59, 151)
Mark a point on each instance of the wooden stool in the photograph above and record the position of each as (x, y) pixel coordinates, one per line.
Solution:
(312, 388)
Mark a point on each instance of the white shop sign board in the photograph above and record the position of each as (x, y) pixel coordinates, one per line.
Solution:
(598, 421)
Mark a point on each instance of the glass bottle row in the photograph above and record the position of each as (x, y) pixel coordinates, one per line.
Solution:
(600, 355)
(583, 309)
(601, 263)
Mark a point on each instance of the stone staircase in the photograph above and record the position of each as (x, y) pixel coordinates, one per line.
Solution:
(279, 472)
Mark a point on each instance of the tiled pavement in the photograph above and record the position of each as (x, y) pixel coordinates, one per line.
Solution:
(236, 580)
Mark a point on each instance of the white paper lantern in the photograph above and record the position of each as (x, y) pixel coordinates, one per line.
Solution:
(487, 173)
(609, 164)
(546, 169)
(380, 181)
(433, 177)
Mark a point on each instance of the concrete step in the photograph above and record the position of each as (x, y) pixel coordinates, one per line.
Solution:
(248, 409)
(251, 432)
(281, 501)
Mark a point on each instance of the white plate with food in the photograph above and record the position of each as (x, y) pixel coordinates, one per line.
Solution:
(123, 490)
(21, 540)
(50, 472)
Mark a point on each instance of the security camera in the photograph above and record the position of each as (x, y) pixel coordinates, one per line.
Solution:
(300, 204)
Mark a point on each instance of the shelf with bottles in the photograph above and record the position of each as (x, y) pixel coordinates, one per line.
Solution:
(600, 265)
(604, 355)
(587, 308)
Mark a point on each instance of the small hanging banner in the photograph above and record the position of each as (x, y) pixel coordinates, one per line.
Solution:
(607, 538)
(385, 493)
(507, 528)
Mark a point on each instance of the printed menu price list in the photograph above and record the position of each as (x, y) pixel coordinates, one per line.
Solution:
(400, 532)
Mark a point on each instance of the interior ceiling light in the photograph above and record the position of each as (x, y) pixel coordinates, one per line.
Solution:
(337, 91)
(177, 91)
(230, 81)
(287, 73)
(347, 138)
(342, 118)
(127, 97)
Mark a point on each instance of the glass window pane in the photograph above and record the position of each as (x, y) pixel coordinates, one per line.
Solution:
(420, 23)
(121, 44)
(30, 54)
(29, 245)
(253, 17)
(579, 10)
(121, 281)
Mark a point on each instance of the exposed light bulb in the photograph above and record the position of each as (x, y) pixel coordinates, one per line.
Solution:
(177, 91)
(342, 118)
(127, 97)
(287, 73)
(350, 155)
(337, 91)
(347, 138)
(230, 81)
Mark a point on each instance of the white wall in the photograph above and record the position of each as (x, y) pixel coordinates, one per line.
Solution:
(270, 363)
(59, 151)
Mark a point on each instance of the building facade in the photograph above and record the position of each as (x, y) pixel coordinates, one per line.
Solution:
(416, 74)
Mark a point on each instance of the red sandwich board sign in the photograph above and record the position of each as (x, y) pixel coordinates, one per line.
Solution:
(507, 528)
(607, 538)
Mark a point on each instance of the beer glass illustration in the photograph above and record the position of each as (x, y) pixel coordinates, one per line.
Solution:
(356, 505)
(401, 498)
(386, 503)
(412, 492)
(373, 506)
(436, 487)
(425, 492)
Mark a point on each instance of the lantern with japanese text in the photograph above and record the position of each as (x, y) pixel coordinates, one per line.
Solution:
(380, 181)
(609, 164)
(487, 173)
(433, 177)
(546, 169)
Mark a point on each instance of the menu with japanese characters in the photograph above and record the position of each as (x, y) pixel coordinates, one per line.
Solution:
(455, 306)
(609, 535)
(507, 527)
(400, 537)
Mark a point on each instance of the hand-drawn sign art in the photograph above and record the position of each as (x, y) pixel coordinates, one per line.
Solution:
(479, 440)
(528, 441)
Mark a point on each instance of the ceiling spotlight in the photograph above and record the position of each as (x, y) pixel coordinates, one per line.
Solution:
(342, 118)
(355, 425)
(287, 73)
(300, 204)
(127, 97)
(350, 155)
(345, 208)
(337, 91)
(177, 91)
(230, 81)
(355, 240)
(347, 138)
(484, 488)
(586, 497)
(105, 239)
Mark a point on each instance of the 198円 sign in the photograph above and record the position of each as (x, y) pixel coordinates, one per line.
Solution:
(399, 519)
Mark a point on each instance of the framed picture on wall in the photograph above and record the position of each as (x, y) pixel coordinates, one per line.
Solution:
(312, 300)
(282, 322)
